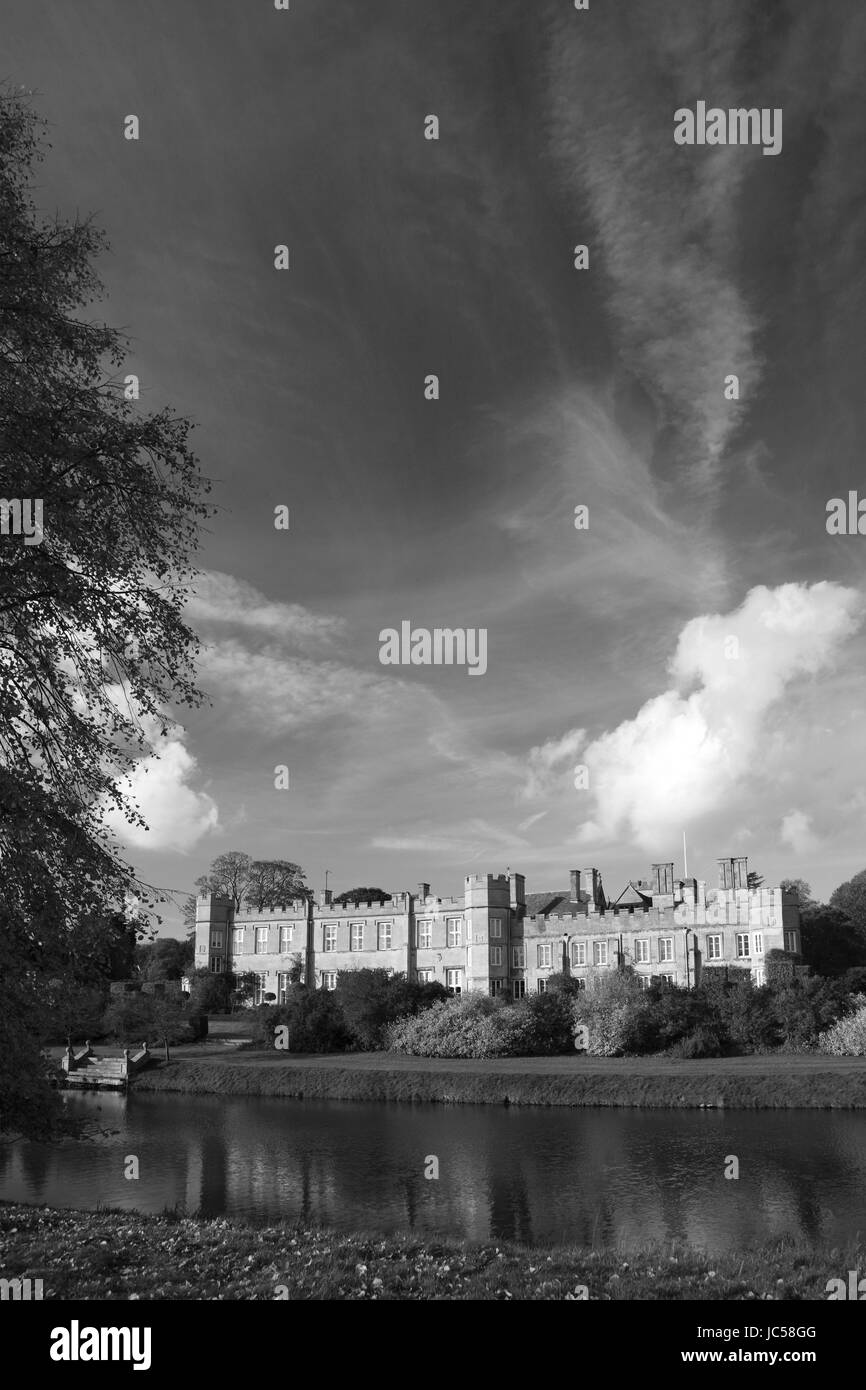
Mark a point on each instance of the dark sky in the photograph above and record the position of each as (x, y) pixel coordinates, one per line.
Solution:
(607, 647)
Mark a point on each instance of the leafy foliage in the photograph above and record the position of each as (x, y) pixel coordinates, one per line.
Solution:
(373, 999)
(93, 644)
(362, 895)
(832, 941)
(313, 1017)
(850, 898)
(260, 883)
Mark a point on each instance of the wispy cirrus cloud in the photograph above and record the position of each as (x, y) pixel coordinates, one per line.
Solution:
(222, 599)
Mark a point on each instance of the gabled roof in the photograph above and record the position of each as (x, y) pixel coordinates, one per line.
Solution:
(633, 896)
(546, 904)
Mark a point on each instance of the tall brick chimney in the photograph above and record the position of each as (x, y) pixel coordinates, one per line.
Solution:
(423, 891)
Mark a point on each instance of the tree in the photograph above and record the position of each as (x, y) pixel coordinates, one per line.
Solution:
(831, 942)
(850, 898)
(260, 883)
(189, 911)
(209, 993)
(94, 649)
(274, 883)
(228, 876)
(137, 1018)
(371, 999)
(164, 959)
(754, 880)
(801, 888)
(362, 895)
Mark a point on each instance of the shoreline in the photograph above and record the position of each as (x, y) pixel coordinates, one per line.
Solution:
(800, 1081)
(124, 1255)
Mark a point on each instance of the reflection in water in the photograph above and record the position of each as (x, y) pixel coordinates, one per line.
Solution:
(547, 1175)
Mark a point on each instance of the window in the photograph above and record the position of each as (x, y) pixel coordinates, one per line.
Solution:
(714, 948)
(666, 948)
(216, 940)
(758, 976)
(578, 953)
(495, 927)
(542, 986)
(454, 931)
(239, 941)
(599, 953)
(518, 989)
(643, 981)
(454, 981)
(666, 979)
(283, 983)
(545, 949)
(495, 955)
(424, 976)
(425, 935)
(759, 943)
(791, 943)
(384, 935)
(286, 934)
(329, 979)
(518, 958)
(261, 988)
(496, 986)
(581, 984)
(330, 938)
(356, 936)
(742, 943)
(641, 952)
(261, 939)
(216, 964)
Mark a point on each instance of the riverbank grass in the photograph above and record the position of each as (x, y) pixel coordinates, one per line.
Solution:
(120, 1255)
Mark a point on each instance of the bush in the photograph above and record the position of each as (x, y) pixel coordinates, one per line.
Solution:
(611, 1008)
(476, 1025)
(373, 999)
(313, 1017)
(847, 1037)
(210, 994)
(136, 1018)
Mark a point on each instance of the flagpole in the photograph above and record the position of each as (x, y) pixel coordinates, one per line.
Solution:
(685, 858)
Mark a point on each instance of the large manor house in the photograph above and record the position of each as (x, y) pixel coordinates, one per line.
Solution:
(499, 939)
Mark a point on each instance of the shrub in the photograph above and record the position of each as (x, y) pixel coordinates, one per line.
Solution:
(847, 1037)
(313, 1017)
(373, 999)
(210, 994)
(476, 1025)
(609, 1008)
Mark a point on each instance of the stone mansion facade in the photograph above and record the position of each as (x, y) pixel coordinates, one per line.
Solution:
(499, 939)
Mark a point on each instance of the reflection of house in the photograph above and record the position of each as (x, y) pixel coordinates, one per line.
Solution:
(500, 939)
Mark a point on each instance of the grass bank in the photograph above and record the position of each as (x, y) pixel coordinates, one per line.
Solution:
(758, 1082)
(124, 1255)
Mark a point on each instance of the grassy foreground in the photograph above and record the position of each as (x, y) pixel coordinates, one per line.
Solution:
(124, 1255)
(789, 1081)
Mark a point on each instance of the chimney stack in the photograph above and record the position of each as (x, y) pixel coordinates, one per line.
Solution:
(733, 873)
(423, 891)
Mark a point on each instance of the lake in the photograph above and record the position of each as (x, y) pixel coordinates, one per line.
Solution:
(613, 1177)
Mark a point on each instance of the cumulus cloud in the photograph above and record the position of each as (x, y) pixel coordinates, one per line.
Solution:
(690, 750)
(159, 786)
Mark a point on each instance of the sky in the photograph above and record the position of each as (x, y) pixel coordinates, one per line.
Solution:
(698, 648)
